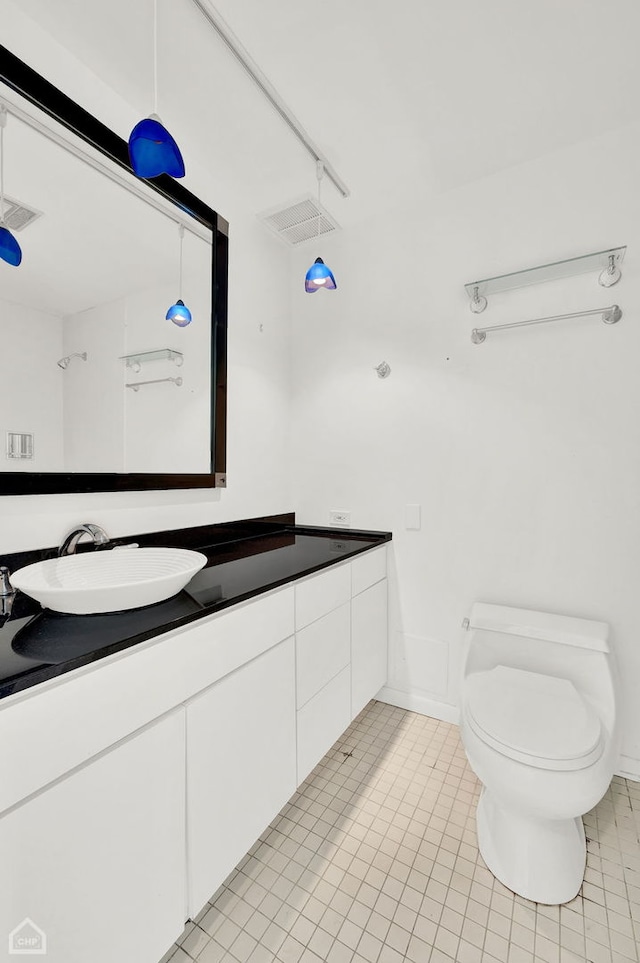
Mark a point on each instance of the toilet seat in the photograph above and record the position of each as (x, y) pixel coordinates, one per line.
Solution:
(536, 719)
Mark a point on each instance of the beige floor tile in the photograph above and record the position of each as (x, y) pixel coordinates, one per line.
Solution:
(375, 860)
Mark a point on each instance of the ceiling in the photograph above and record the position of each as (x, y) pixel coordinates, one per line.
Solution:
(406, 99)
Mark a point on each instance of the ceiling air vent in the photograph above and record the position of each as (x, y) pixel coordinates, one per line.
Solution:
(17, 215)
(299, 221)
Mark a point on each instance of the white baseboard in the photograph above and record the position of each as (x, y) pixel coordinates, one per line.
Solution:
(419, 703)
(629, 768)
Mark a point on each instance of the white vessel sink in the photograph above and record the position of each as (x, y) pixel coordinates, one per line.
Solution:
(108, 581)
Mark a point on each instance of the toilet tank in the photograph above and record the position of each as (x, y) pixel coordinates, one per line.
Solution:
(555, 645)
(562, 629)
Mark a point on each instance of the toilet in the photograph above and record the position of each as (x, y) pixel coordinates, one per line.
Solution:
(538, 721)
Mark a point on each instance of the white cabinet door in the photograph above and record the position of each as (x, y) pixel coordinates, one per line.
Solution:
(368, 645)
(96, 862)
(322, 720)
(241, 765)
(322, 650)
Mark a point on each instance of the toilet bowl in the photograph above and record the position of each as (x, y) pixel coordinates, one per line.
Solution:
(538, 723)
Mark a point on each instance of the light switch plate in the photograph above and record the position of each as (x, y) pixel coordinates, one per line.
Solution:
(412, 519)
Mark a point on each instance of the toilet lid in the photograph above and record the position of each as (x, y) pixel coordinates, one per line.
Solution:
(537, 719)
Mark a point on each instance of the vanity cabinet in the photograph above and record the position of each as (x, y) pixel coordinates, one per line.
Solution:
(341, 650)
(96, 861)
(241, 765)
(257, 733)
(323, 653)
(131, 788)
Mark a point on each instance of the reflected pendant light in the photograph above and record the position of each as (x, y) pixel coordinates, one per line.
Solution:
(152, 149)
(9, 248)
(179, 313)
(319, 275)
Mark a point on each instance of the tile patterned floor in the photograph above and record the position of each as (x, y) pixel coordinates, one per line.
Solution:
(375, 860)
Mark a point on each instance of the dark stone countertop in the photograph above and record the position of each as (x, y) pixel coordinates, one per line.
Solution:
(245, 559)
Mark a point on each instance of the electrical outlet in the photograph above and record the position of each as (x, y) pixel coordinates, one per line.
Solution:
(341, 519)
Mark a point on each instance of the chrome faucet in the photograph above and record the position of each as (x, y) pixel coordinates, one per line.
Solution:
(97, 535)
(7, 594)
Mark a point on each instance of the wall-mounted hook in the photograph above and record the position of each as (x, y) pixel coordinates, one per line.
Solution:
(383, 369)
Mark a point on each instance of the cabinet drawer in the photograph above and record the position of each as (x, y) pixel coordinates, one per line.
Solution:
(322, 720)
(321, 593)
(322, 650)
(367, 569)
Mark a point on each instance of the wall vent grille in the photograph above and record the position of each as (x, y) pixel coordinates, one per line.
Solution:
(301, 220)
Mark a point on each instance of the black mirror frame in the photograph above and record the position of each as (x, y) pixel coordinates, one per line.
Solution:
(33, 87)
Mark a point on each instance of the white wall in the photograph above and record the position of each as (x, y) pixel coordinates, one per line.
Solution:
(259, 363)
(93, 393)
(168, 427)
(523, 452)
(31, 343)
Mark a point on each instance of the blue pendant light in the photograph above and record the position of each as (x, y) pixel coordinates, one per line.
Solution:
(179, 313)
(9, 248)
(152, 149)
(319, 275)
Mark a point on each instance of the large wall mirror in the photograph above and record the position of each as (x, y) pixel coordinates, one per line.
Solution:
(98, 391)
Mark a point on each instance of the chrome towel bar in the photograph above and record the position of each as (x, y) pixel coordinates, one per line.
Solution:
(609, 315)
(136, 385)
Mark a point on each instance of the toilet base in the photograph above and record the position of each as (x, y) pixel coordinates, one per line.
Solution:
(540, 859)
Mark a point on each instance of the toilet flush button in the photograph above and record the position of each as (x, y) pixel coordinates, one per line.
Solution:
(412, 519)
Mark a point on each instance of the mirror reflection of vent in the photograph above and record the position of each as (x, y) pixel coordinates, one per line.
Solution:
(301, 220)
(17, 215)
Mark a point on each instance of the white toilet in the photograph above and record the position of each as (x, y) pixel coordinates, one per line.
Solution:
(539, 725)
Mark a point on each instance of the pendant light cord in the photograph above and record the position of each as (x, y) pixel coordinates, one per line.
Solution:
(181, 230)
(3, 123)
(155, 56)
(319, 175)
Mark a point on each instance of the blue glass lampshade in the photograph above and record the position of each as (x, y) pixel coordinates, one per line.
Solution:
(179, 313)
(9, 248)
(319, 276)
(153, 151)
